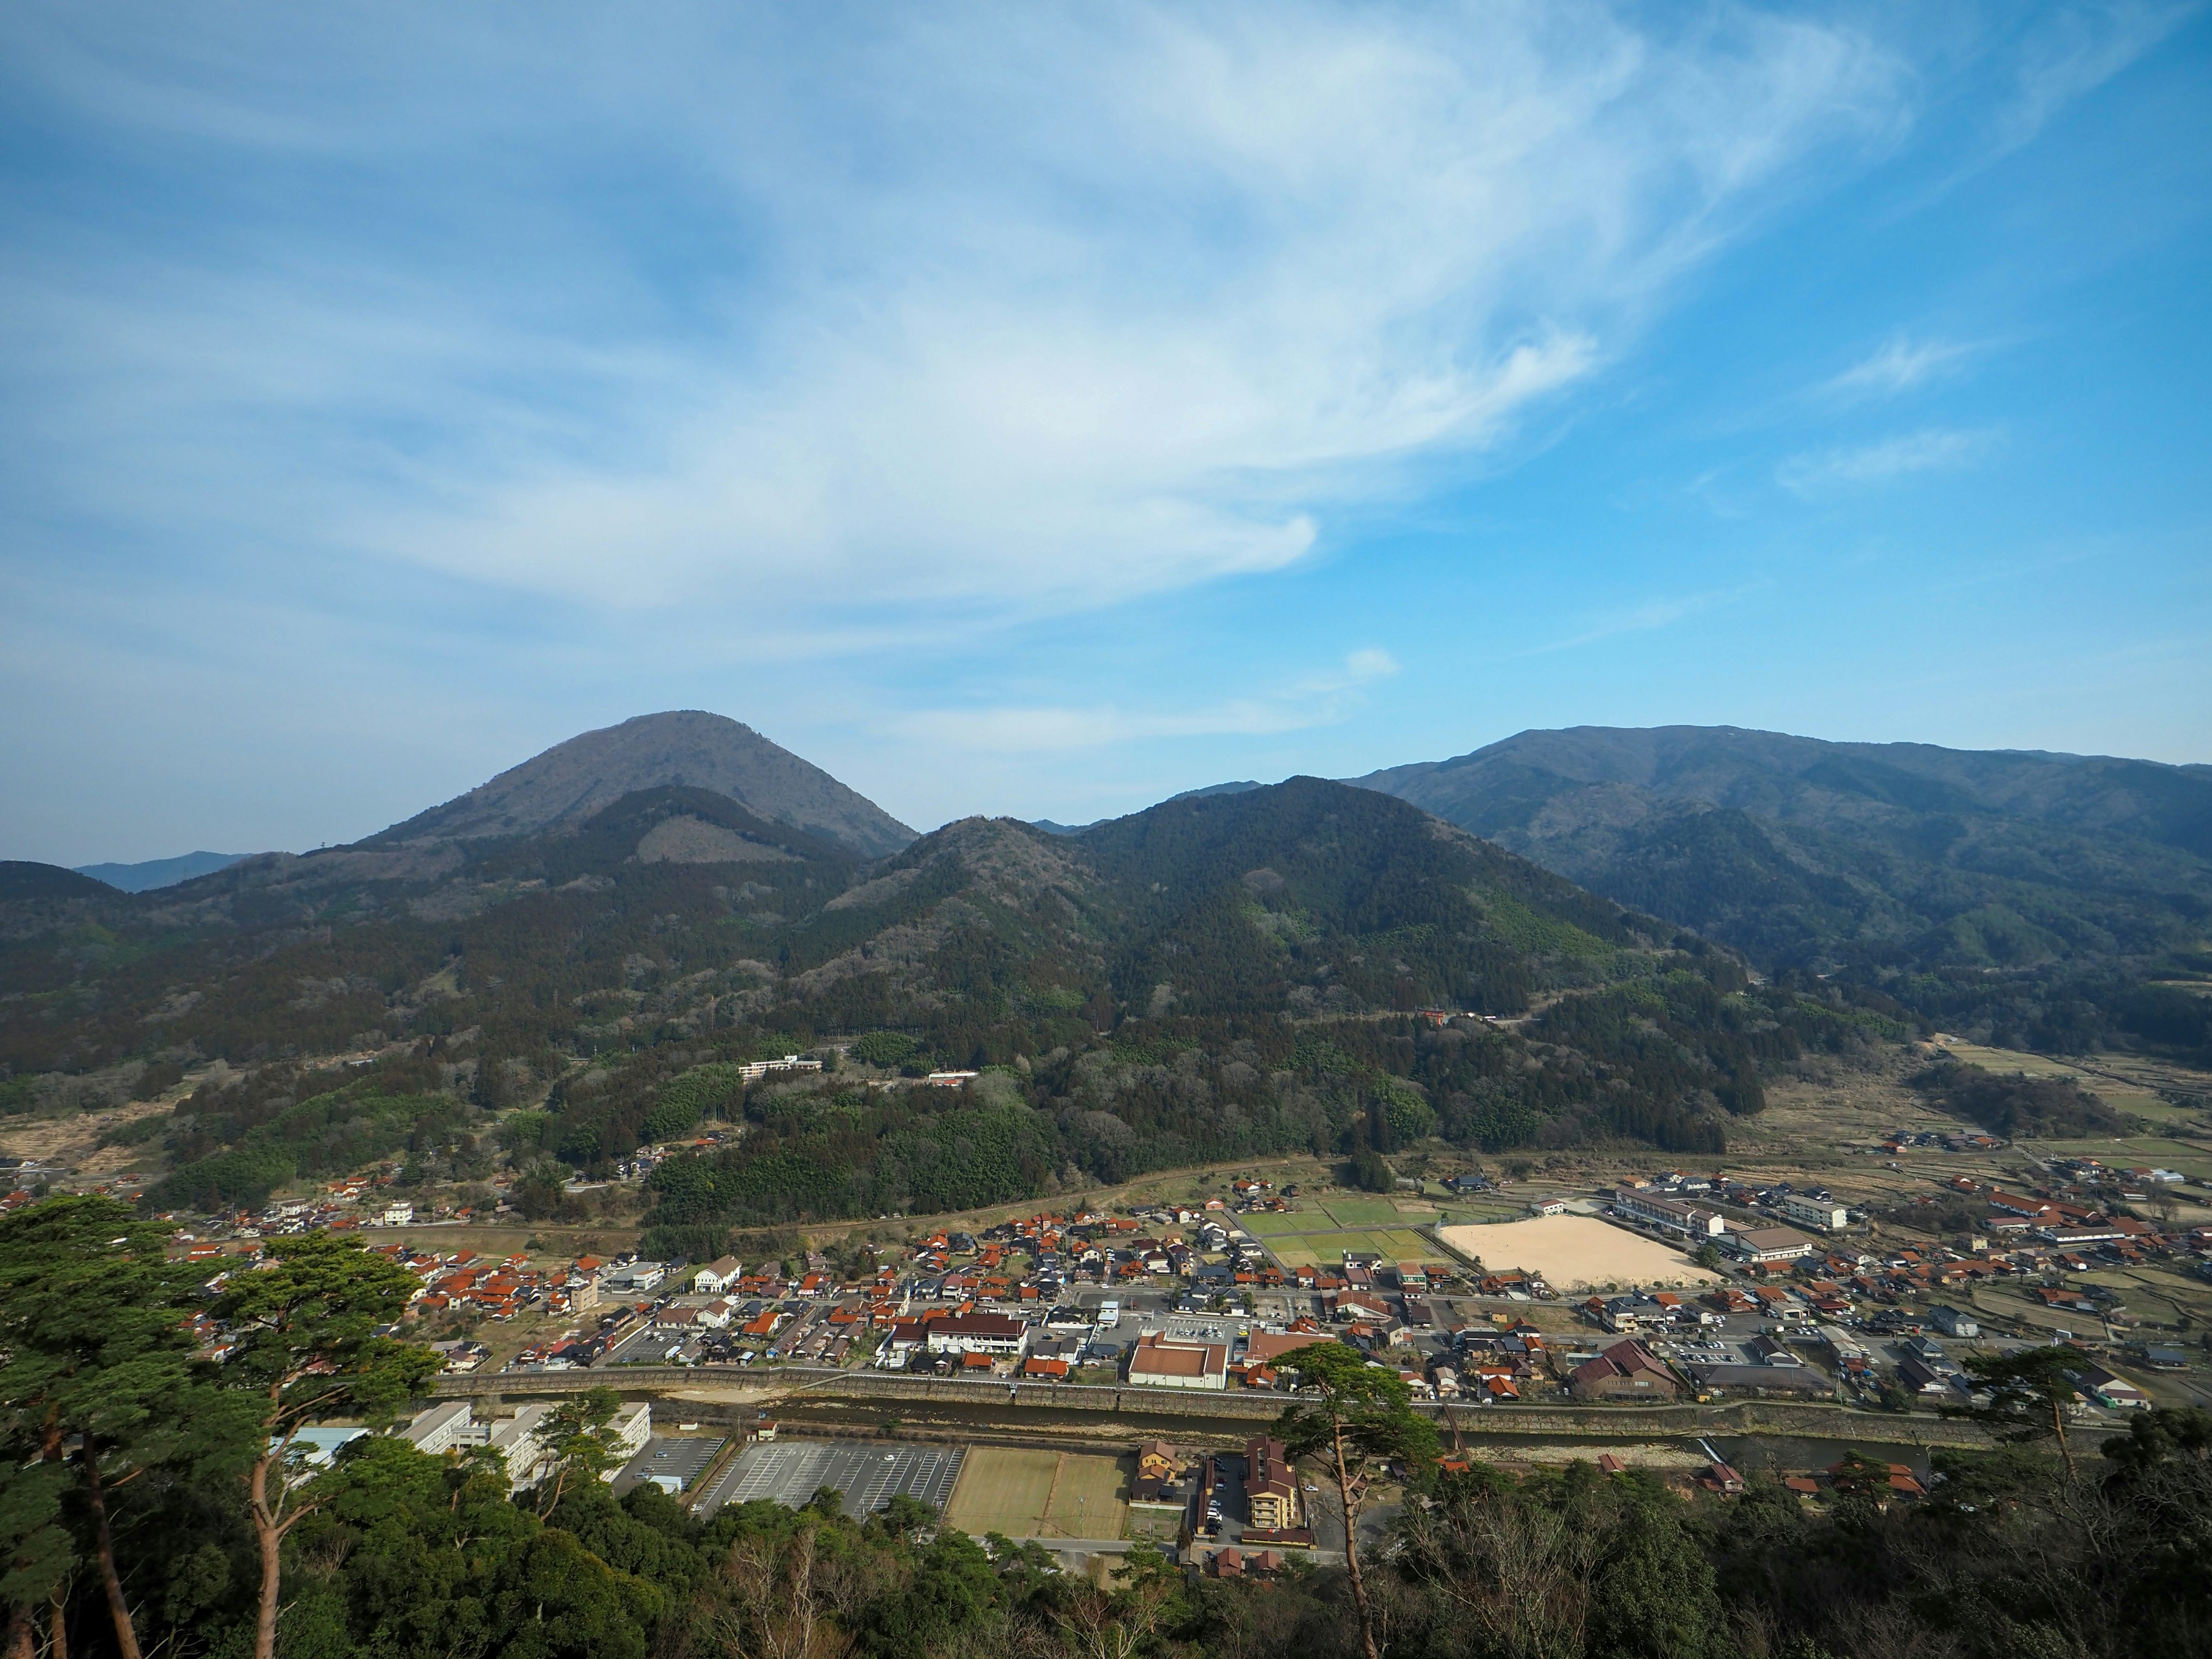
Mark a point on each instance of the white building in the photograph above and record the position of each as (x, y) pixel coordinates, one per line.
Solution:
(978, 1333)
(631, 1427)
(1668, 1215)
(1824, 1213)
(718, 1275)
(521, 1451)
(519, 1441)
(441, 1428)
(1158, 1361)
(754, 1071)
(398, 1215)
(1766, 1244)
(2110, 1390)
(1952, 1322)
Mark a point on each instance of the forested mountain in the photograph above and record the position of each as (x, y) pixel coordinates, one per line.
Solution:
(1219, 976)
(2033, 893)
(1225, 973)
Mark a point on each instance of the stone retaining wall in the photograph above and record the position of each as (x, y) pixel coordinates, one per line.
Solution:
(1815, 1422)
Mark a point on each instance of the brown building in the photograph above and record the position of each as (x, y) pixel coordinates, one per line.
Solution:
(1627, 1370)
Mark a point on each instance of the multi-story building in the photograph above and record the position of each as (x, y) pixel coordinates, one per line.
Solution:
(1667, 1214)
(441, 1428)
(1822, 1213)
(1271, 1490)
(718, 1275)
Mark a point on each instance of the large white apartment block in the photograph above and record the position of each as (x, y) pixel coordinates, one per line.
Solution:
(632, 1427)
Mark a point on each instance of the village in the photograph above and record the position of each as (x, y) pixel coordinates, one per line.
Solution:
(1496, 1299)
(1771, 1294)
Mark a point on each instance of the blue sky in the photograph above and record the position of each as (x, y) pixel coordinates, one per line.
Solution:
(1041, 410)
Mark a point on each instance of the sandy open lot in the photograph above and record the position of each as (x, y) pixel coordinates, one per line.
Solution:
(1575, 1252)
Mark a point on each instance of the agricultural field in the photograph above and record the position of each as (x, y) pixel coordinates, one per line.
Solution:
(1041, 1494)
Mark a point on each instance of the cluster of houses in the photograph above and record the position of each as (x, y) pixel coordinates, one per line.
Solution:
(1662, 1372)
(1894, 1141)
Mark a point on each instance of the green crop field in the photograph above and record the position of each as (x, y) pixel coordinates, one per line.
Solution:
(1328, 1248)
(1369, 1213)
(1030, 1494)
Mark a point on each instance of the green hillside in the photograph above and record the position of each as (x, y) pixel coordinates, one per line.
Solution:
(1225, 975)
(2023, 897)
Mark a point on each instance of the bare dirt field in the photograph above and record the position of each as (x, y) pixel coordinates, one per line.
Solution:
(73, 1141)
(1576, 1252)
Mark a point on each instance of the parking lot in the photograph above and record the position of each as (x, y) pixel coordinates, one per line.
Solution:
(681, 1458)
(789, 1472)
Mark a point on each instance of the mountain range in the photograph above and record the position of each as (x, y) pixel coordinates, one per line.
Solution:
(600, 934)
(2031, 890)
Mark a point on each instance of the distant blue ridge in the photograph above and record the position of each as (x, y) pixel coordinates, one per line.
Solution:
(1051, 828)
(159, 872)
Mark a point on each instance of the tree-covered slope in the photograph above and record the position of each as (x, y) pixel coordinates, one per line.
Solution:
(2030, 892)
(1222, 975)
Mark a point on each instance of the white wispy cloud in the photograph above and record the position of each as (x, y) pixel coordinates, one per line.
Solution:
(754, 313)
(1318, 699)
(2072, 50)
(1900, 364)
(1932, 449)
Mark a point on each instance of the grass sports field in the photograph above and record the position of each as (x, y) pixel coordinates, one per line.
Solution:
(1041, 1494)
(1321, 1233)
